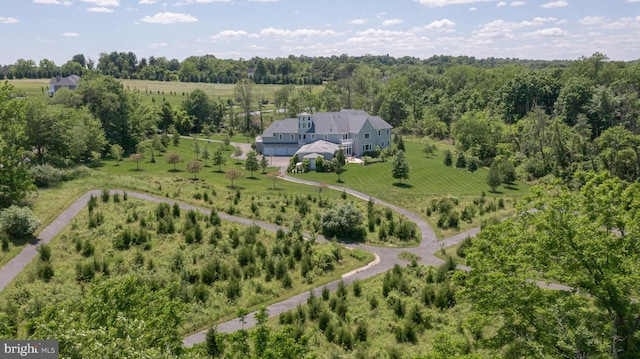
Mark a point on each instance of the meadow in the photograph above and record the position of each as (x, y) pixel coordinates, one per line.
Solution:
(430, 183)
(213, 266)
(406, 312)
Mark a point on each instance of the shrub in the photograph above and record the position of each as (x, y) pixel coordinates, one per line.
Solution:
(46, 175)
(45, 271)
(18, 221)
(343, 221)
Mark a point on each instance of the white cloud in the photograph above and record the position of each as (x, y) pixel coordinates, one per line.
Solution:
(358, 21)
(631, 0)
(444, 25)
(392, 22)
(473, 8)
(52, 2)
(441, 3)
(70, 34)
(289, 34)
(592, 20)
(505, 29)
(100, 9)
(187, 2)
(501, 4)
(263, 0)
(228, 35)
(103, 2)
(146, 2)
(549, 32)
(168, 18)
(518, 3)
(8, 20)
(553, 4)
(157, 45)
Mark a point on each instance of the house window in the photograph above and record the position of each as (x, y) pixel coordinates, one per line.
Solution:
(304, 137)
(366, 135)
(378, 132)
(280, 137)
(299, 136)
(387, 132)
(326, 137)
(313, 137)
(292, 136)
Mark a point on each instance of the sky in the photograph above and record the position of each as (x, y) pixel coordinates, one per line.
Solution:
(234, 29)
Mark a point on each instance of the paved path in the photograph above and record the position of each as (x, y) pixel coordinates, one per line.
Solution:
(386, 258)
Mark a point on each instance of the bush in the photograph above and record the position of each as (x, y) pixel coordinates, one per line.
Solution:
(18, 221)
(344, 221)
(46, 175)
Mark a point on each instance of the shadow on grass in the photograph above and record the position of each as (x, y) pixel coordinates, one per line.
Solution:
(253, 178)
(24, 240)
(175, 170)
(402, 185)
(496, 192)
(511, 187)
(136, 170)
(235, 188)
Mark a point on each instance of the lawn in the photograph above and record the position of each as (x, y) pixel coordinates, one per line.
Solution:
(216, 266)
(429, 179)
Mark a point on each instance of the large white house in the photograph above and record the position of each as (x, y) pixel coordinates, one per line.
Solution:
(323, 133)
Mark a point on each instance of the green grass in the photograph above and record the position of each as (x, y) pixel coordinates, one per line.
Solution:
(439, 333)
(155, 263)
(31, 87)
(429, 178)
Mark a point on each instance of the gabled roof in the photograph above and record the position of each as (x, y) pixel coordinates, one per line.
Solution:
(65, 81)
(288, 125)
(345, 121)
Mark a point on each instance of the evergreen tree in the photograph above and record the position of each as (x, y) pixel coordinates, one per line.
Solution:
(400, 166)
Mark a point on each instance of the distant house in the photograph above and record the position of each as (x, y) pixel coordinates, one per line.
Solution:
(70, 82)
(354, 131)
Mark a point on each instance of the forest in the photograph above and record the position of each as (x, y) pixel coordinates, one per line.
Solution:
(569, 128)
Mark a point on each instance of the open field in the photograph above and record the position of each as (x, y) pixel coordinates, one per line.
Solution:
(429, 179)
(217, 266)
(172, 91)
(400, 314)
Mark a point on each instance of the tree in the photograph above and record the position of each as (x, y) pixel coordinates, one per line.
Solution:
(194, 167)
(448, 158)
(198, 106)
(461, 161)
(400, 144)
(584, 239)
(233, 174)
(494, 179)
(274, 176)
(264, 163)
(18, 221)
(174, 158)
(337, 168)
(136, 157)
(205, 154)
(243, 92)
(157, 144)
(195, 146)
(400, 166)
(237, 152)
(251, 163)
(343, 221)
(339, 156)
(214, 342)
(218, 158)
(116, 152)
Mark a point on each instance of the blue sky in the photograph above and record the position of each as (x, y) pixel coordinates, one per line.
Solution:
(531, 29)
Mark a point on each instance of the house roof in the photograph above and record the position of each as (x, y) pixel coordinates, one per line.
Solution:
(319, 147)
(71, 80)
(288, 125)
(312, 156)
(345, 121)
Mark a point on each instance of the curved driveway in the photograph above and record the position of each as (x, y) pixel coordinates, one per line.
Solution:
(386, 258)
